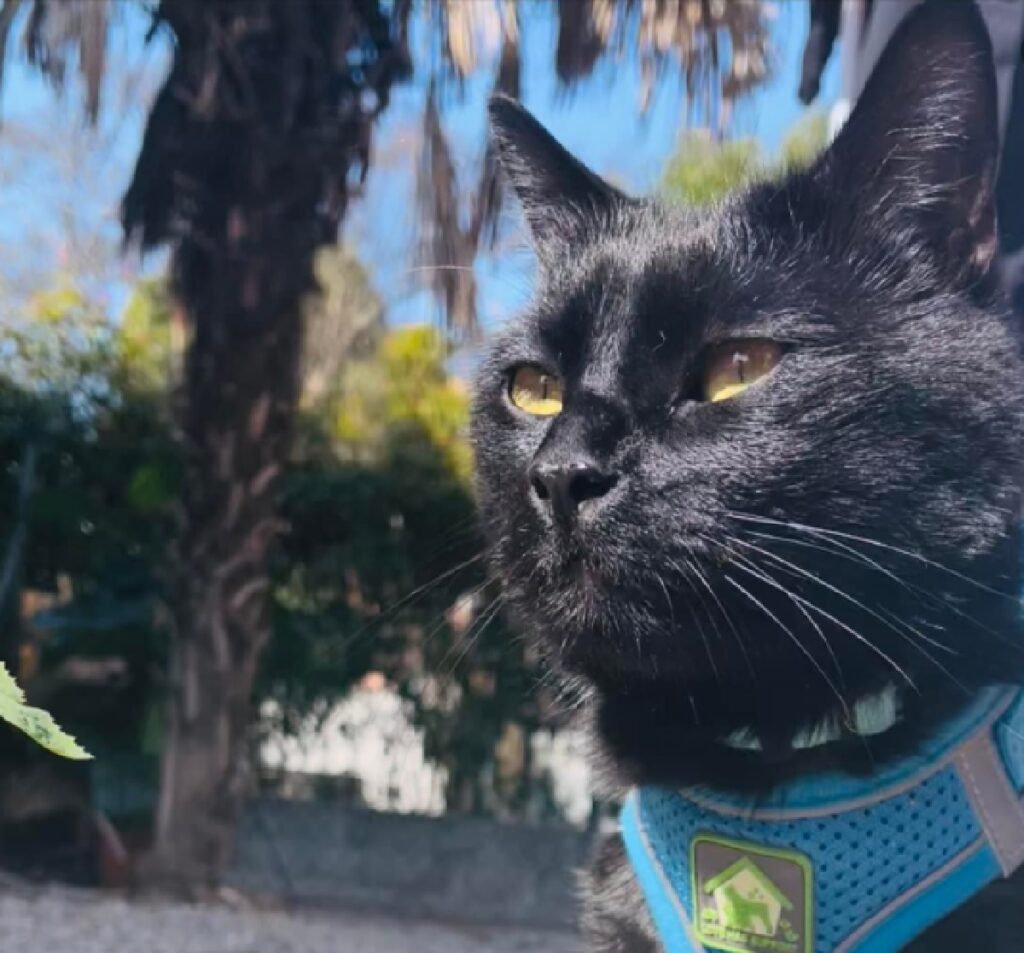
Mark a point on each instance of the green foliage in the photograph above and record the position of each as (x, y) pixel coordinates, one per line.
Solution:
(34, 722)
(804, 141)
(98, 514)
(380, 507)
(344, 321)
(58, 349)
(378, 501)
(401, 403)
(149, 342)
(705, 170)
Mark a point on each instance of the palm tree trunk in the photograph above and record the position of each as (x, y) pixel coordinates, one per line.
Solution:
(245, 167)
(240, 399)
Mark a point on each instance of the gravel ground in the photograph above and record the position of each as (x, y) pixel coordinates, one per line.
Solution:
(61, 921)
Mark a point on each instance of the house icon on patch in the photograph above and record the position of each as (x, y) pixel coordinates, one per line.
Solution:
(747, 900)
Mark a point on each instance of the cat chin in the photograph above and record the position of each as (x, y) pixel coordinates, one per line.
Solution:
(610, 653)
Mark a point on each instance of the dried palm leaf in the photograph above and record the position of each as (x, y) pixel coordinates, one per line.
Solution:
(685, 35)
(489, 194)
(60, 30)
(719, 48)
(472, 30)
(446, 250)
(7, 14)
(584, 32)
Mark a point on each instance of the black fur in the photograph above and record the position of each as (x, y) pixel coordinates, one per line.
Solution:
(850, 521)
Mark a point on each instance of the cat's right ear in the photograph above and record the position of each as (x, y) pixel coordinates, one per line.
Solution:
(561, 198)
(919, 152)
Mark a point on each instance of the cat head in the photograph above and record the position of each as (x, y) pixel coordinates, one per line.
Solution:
(742, 469)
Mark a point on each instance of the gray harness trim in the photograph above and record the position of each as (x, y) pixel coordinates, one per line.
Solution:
(995, 803)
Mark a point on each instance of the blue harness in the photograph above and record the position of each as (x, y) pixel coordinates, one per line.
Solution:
(836, 864)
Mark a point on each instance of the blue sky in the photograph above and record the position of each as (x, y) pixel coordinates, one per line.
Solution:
(61, 181)
(599, 121)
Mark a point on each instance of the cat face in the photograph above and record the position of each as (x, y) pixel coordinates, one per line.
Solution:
(766, 459)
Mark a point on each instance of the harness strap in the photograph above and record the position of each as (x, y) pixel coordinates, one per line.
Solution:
(996, 804)
(970, 778)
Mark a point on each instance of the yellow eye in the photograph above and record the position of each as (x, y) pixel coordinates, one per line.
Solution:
(535, 391)
(731, 367)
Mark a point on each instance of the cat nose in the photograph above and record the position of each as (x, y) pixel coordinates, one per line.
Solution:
(566, 487)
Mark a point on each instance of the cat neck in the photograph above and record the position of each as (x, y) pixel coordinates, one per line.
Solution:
(655, 738)
(869, 716)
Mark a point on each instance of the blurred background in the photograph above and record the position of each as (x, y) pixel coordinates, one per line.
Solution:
(251, 249)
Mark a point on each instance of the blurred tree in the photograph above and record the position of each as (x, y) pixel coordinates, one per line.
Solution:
(344, 320)
(90, 513)
(380, 507)
(52, 380)
(254, 145)
(93, 472)
(705, 170)
(85, 396)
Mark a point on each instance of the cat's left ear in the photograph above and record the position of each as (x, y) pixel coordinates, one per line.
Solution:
(920, 149)
(561, 198)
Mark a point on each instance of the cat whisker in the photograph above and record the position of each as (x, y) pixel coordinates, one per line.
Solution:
(460, 654)
(807, 574)
(725, 615)
(894, 624)
(841, 550)
(457, 534)
(867, 541)
(639, 645)
(857, 635)
(858, 556)
(793, 637)
(885, 621)
(696, 620)
(931, 658)
(685, 573)
(427, 269)
(847, 552)
(817, 628)
(411, 597)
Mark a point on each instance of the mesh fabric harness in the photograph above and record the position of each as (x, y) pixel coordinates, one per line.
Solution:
(834, 864)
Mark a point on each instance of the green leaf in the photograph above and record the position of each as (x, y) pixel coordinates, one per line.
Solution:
(36, 723)
(9, 687)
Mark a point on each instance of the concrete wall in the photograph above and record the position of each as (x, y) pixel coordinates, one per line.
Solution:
(466, 869)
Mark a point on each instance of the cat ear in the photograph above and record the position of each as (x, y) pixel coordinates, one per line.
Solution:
(921, 145)
(559, 195)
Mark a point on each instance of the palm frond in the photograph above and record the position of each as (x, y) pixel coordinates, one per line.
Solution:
(302, 83)
(7, 14)
(446, 249)
(471, 28)
(449, 235)
(488, 200)
(720, 50)
(62, 31)
(585, 30)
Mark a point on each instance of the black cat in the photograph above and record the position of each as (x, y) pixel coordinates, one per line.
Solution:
(744, 470)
